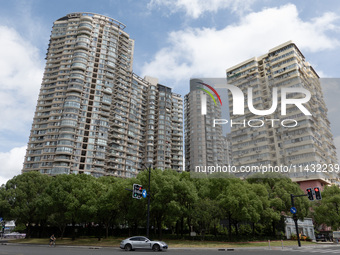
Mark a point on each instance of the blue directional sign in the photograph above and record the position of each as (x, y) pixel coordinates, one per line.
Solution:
(1, 219)
(293, 210)
(144, 194)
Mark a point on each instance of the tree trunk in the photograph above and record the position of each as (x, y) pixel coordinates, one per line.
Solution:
(99, 231)
(107, 230)
(202, 228)
(229, 228)
(182, 226)
(73, 231)
(236, 228)
(154, 227)
(28, 231)
(189, 224)
(159, 226)
(62, 230)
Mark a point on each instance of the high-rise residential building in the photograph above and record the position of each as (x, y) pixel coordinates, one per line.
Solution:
(294, 138)
(203, 142)
(227, 150)
(94, 115)
(164, 127)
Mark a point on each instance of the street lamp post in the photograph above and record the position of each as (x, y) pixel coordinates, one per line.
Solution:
(295, 218)
(148, 214)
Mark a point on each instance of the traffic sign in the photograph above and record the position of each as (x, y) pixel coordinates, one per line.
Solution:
(144, 194)
(293, 210)
(1, 219)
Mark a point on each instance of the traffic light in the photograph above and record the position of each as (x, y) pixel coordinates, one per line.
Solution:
(317, 193)
(137, 191)
(310, 194)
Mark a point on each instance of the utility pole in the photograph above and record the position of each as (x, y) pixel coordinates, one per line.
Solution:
(295, 218)
(293, 210)
(138, 192)
(148, 214)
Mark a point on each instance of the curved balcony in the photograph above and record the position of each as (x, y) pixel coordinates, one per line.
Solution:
(84, 31)
(85, 39)
(78, 65)
(81, 54)
(68, 130)
(82, 45)
(63, 158)
(64, 150)
(68, 123)
(77, 76)
(72, 104)
(74, 87)
(86, 17)
(85, 25)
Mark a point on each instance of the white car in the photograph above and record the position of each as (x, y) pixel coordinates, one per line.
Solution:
(141, 242)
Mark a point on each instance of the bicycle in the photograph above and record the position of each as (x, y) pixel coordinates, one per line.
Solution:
(52, 243)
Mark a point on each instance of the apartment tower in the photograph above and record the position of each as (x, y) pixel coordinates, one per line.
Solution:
(301, 144)
(94, 115)
(203, 142)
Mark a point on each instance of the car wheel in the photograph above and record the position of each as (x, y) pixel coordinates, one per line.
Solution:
(128, 247)
(156, 247)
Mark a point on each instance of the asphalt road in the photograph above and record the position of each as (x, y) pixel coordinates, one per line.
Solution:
(19, 249)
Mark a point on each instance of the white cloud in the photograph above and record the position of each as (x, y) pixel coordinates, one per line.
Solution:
(195, 8)
(207, 52)
(20, 79)
(11, 163)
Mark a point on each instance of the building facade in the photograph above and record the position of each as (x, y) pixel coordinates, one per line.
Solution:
(292, 139)
(164, 130)
(203, 142)
(306, 227)
(94, 115)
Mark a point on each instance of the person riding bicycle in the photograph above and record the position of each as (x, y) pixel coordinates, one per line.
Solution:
(52, 239)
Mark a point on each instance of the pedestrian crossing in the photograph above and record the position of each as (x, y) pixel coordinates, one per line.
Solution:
(317, 250)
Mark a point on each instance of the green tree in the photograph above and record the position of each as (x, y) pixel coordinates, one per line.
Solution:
(72, 198)
(240, 204)
(165, 206)
(4, 203)
(109, 201)
(327, 210)
(132, 212)
(279, 188)
(186, 195)
(205, 214)
(22, 194)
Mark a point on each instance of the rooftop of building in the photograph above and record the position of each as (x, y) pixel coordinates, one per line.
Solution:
(90, 14)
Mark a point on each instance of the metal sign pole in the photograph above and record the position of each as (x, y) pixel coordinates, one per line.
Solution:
(148, 216)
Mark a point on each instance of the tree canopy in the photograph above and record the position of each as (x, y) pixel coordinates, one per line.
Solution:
(225, 207)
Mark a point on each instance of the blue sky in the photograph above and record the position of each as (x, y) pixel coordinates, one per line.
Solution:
(174, 41)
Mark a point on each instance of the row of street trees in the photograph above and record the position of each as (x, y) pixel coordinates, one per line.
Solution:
(226, 207)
